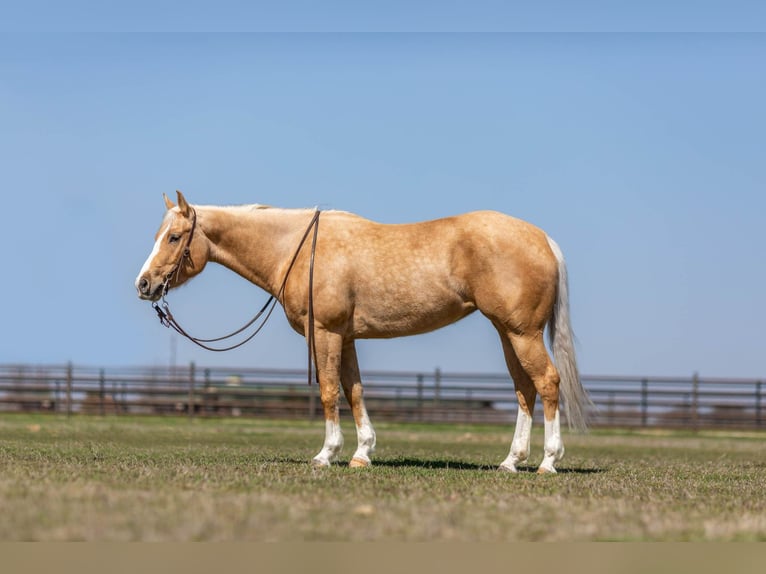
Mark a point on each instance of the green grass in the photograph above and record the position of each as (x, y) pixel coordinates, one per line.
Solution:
(171, 479)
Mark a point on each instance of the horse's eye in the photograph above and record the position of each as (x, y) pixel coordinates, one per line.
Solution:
(174, 238)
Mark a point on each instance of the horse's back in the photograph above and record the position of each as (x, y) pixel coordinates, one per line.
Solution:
(484, 239)
(416, 277)
(471, 226)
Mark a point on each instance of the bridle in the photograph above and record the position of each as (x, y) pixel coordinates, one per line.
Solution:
(185, 254)
(167, 319)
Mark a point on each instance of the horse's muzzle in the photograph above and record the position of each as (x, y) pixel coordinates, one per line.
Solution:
(145, 291)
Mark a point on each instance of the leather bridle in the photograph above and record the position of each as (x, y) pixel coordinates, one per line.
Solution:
(167, 319)
(185, 254)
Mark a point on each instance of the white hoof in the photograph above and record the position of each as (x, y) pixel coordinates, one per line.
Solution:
(317, 462)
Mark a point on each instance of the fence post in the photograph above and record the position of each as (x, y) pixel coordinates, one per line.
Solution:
(69, 376)
(644, 402)
(437, 385)
(695, 400)
(190, 408)
(468, 396)
(420, 397)
(758, 398)
(101, 379)
(207, 406)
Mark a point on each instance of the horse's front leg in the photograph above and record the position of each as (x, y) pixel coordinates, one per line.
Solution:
(352, 388)
(328, 364)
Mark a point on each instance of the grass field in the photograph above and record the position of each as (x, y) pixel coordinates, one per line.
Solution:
(172, 479)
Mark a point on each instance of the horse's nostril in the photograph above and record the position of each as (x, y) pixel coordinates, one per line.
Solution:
(143, 285)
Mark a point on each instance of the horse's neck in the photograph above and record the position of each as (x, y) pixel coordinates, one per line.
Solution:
(256, 243)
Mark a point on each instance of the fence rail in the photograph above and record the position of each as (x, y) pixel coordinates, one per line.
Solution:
(434, 396)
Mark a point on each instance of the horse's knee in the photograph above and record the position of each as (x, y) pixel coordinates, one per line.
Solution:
(547, 387)
(547, 384)
(329, 394)
(329, 399)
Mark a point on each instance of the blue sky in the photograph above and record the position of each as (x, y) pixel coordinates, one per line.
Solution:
(642, 154)
(389, 16)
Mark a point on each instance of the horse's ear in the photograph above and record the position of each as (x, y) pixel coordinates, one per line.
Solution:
(169, 204)
(183, 206)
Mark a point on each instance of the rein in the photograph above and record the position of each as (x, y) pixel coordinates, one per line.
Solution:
(166, 317)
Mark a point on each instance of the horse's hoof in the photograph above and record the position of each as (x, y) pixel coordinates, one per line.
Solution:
(506, 468)
(544, 470)
(319, 463)
(359, 463)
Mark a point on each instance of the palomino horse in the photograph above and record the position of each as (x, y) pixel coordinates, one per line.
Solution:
(376, 281)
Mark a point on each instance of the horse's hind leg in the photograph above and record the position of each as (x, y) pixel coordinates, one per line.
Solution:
(352, 388)
(533, 373)
(534, 360)
(526, 394)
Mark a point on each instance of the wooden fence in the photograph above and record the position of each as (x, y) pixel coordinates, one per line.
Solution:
(434, 396)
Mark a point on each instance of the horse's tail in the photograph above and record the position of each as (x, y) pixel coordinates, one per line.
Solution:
(575, 398)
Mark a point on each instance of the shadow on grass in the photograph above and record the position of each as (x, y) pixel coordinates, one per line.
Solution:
(437, 464)
(458, 465)
(430, 464)
(574, 470)
(396, 463)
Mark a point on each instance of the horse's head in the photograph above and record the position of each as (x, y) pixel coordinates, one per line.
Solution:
(179, 253)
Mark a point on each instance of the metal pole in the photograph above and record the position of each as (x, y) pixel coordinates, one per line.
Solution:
(468, 395)
(420, 397)
(101, 379)
(206, 393)
(644, 401)
(695, 400)
(190, 408)
(69, 389)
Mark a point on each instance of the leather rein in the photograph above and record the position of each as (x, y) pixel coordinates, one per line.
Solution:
(168, 320)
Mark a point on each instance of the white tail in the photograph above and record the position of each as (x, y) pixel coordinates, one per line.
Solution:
(575, 398)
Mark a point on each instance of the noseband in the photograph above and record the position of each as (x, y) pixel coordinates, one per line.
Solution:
(166, 317)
